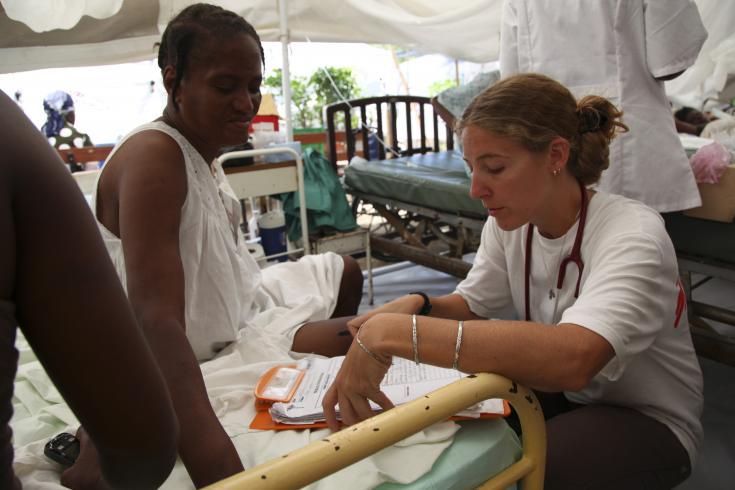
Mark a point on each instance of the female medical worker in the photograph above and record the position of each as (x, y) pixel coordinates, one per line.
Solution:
(622, 50)
(602, 335)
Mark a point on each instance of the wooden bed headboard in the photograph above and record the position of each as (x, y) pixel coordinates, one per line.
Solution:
(380, 114)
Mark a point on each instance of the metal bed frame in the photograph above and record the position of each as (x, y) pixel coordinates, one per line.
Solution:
(409, 227)
(321, 458)
(708, 341)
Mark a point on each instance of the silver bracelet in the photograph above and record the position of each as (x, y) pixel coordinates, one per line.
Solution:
(457, 346)
(371, 353)
(414, 339)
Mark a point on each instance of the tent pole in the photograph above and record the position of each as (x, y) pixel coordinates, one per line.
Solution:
(286, 78)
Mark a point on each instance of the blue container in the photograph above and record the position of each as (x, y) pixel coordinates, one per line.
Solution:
(272, 228)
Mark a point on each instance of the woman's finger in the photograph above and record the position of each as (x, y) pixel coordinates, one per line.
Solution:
(361, 406)
(382, 400)
(354, 329)
(355, 324)
(328, 403)
(346, 411)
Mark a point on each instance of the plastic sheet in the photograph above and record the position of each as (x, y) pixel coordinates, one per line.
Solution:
(710, 162)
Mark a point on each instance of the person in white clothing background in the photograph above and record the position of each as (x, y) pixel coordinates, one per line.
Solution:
(603, 337)
(622, 50)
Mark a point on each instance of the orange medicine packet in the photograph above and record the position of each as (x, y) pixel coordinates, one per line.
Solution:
(279, 383)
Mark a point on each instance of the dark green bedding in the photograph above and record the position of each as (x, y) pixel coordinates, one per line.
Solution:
(433, 180)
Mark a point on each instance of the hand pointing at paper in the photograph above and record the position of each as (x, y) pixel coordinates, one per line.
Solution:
(358, 380)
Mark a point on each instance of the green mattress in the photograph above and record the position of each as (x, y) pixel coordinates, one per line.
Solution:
(433, 180)
(481, 449)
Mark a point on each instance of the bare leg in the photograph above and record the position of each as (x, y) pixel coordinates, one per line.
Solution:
(350, 289)
(327, 337)
(332, 337)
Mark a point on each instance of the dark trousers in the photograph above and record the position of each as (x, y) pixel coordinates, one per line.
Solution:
(607, 447)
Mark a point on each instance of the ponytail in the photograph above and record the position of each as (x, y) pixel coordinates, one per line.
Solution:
(599, 123)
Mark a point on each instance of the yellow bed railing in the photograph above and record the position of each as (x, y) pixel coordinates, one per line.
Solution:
(321, 458)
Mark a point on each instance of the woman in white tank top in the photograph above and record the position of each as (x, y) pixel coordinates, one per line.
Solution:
(171, 225)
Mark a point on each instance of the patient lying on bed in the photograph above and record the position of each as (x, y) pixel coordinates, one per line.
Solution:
(171, 224)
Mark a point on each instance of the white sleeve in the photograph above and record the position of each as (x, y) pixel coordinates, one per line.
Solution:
(628, 297)
(486, 288)
(674, 35)
(508, 40)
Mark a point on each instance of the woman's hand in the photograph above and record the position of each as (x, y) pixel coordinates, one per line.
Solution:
(357, 382)
(409, 304)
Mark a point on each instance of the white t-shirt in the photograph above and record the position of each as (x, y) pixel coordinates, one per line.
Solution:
(616, 49)
(628, 295)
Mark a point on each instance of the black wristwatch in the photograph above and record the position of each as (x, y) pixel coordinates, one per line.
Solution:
(426, 308)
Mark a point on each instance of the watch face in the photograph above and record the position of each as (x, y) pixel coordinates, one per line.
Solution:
(64, 449)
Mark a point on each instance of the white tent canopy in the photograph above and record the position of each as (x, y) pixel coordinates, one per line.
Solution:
(116, 31)
(95, 32)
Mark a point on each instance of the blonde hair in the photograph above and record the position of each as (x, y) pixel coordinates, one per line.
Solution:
(534, 109)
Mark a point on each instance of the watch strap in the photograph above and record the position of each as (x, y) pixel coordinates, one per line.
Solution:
(426, 308)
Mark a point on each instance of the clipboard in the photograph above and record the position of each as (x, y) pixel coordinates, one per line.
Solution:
(279, 384)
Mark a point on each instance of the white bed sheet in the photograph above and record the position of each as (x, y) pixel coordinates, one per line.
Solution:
(40, 413)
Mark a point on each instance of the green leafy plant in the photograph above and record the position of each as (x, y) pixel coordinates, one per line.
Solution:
(440, 86)
(310, 95)
(301, 97)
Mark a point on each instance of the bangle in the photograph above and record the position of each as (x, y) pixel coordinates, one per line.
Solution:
(457, 346)
(372, 354)
(414, 339)
(426, 308)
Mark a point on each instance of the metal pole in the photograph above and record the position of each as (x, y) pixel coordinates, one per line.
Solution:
(286, 79)
(299, 180)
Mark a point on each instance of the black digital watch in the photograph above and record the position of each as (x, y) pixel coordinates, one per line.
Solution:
(426, 308)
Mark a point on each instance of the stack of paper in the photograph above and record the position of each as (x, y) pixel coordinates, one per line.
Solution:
(405, 381)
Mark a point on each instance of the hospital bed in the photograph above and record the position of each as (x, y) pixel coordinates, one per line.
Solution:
(437, 457)
(411, 177)
(338, 450)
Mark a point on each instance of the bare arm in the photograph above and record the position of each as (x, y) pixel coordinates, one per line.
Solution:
(448, 306)
(151, 194)
(544, 357)
(52, 258)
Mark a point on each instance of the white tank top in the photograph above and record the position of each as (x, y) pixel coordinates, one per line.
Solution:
(221, 277)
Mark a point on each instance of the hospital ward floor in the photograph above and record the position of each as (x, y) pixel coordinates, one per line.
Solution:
(715, 466)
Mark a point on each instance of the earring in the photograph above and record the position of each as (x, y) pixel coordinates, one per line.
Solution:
(555, 172)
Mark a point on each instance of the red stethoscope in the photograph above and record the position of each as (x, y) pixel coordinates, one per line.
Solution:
(575, 256)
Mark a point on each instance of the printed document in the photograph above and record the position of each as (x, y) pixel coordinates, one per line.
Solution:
(404, 381)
